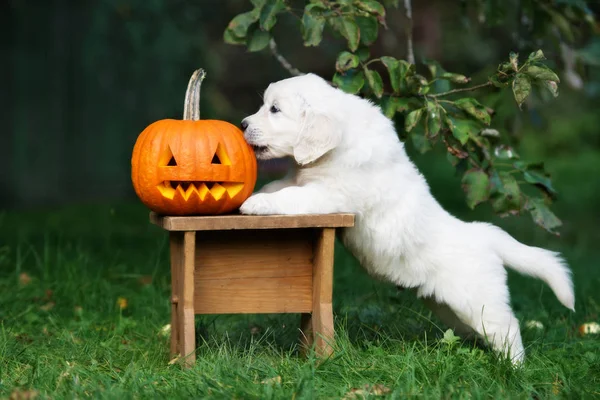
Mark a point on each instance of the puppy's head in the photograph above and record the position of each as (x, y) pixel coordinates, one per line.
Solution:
(296, 120)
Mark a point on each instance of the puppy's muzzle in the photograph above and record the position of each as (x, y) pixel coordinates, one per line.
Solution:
(249, 136)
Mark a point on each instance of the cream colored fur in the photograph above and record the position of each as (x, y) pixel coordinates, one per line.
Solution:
(351, 160)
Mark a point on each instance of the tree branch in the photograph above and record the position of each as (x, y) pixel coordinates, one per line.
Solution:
(468, 89)
(285, 63)
(410, 56)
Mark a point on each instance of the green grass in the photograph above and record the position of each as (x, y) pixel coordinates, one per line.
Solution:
(63, 334)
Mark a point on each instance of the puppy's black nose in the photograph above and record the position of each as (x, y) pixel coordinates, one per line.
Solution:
(244, 125)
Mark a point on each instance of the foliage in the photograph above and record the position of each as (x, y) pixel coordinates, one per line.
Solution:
(424, 103)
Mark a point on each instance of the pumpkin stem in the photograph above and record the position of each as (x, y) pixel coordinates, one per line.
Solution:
(191, 107)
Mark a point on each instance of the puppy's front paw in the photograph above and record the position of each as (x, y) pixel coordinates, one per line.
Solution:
(258, 204)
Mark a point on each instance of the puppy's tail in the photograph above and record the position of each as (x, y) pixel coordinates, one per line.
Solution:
(540, 263)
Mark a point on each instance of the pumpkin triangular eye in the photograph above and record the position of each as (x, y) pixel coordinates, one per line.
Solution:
(167, 159)
(221, 156)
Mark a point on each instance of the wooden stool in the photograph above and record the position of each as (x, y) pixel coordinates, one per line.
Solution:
(252, 264)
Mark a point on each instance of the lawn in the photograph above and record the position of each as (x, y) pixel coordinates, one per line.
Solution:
(84, 297)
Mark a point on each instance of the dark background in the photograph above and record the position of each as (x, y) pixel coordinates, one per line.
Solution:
(84, 78)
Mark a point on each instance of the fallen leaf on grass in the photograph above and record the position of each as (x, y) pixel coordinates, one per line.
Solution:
(19, 394)
(75, 339)
(174, 359)
(165, 330)
(273, 380)
(145, 280)
(48, 306)
(366, 391)
(122, 303)
(556, 385)
(533, 324)
(589, 328)
(255, 329)
(23, 338)
(24, 278)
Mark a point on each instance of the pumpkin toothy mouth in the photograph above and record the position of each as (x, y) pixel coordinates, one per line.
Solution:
(216, 190)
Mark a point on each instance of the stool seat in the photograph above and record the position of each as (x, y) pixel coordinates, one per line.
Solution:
(234, 263)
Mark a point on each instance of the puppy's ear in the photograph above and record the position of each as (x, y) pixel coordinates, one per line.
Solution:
(319, 135)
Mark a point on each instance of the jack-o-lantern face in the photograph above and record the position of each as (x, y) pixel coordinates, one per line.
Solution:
(183, 167)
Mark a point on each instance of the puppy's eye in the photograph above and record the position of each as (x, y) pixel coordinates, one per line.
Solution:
(274, 109)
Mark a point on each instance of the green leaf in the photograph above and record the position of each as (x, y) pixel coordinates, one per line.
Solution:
(369, 29)
(258, 40)
(407, 71)
(474, 109)
(505, 68)
(418, 84)
(419, 140)
(388, 107)
(460, 130)
(542, 215)
(456, 78)
(375, 82)
(393, 67)
(392, 105)
(552, 87)
(230, 38)
(476, 185)
(508, 196)
(433, 119)
(536, 56)
(540, 72)
(504, 152)
(540, 179)
(240, 23)
(346, 61)
(350, 82)
(449, 337)
(499, 81)
(412, 119)
(268, 13)
(363, 53)
(312, 25)
(514, 61)
(521, 87)
(349, 29)
(372, 6)
(258, 3)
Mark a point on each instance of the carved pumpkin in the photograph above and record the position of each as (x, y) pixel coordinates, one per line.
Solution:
(192, 166)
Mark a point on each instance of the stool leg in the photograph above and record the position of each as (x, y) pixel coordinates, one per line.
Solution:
(187, 330)
(176, 251)
(322, 315)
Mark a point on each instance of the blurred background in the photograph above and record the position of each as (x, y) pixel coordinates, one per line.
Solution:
(83, 78)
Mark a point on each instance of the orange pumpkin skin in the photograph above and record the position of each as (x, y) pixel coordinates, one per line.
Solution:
(185, 167)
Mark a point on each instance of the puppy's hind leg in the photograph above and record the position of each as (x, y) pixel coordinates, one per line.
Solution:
(449, 318)
(501, 328)
(495, 321)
